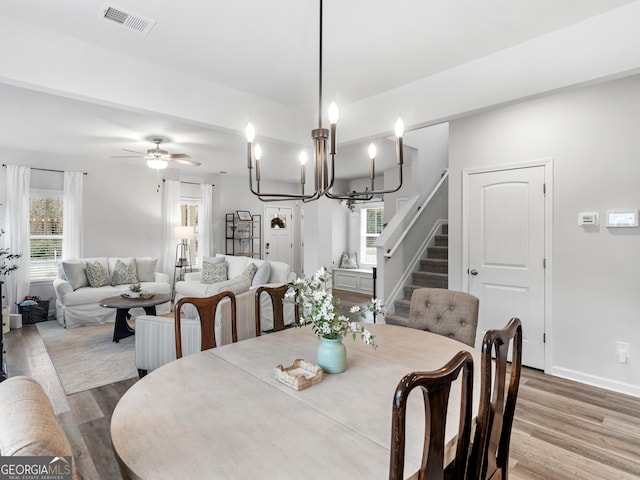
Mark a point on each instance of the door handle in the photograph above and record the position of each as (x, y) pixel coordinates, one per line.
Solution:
(473, 271)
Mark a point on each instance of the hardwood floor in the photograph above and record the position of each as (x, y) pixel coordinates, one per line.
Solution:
(562, 429)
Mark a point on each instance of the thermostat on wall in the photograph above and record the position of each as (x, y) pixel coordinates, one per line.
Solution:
(588, 218)
(622, 218)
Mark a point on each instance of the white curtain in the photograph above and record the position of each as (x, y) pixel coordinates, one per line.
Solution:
(17, 233)
(72, 230)
(205, 222)
(170, 220)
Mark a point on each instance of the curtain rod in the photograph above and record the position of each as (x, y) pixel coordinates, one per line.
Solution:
(190, 183)
(45, 169)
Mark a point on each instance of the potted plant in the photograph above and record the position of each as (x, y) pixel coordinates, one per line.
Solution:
(135, 290)
(319, 308)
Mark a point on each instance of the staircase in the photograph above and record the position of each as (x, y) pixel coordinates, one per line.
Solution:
(433, 273)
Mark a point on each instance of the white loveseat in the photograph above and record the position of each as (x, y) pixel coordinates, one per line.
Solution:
(77, 301)
(155, 336)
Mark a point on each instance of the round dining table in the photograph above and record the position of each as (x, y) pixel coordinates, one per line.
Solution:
(222, 414)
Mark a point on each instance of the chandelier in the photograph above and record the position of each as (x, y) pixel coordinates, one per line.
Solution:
(323, 157)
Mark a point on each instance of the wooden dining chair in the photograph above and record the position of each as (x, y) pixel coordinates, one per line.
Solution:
(490, 452)
(206, 308)
(435, 386)
(277, 297)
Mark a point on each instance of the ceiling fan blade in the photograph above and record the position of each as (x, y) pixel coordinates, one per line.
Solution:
(133, 151)
(178, 155)
(184, 161)
(127, 156)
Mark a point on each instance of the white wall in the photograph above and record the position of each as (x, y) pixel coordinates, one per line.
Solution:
(592, 136)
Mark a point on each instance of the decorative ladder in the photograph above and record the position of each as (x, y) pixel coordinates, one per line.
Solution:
(433, 273)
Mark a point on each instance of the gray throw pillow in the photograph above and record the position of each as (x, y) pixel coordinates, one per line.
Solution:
(349, 260)
(146, 269)
(262, 275)
(214, 272)
(75, 274)
(97, 275)
(250, 270)
(124, 274)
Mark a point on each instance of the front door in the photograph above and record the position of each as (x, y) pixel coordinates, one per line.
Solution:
(506, 241)
(278, 236)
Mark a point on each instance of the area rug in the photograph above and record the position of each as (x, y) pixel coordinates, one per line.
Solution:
(86, 357)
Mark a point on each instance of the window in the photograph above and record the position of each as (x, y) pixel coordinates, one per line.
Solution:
(45, 226)
(372, 220)
(189, 218)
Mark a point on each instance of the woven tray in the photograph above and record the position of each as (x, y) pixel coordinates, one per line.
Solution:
(300, 375)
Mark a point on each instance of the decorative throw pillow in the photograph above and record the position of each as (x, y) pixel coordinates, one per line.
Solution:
(146, 269)
(97, 275)
(75, 274)
(250, 270)
(349, 260)
(124, 274)
(262, 275)
(214, 272)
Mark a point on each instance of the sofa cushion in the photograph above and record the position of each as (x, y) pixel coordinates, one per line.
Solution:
(279, 272)
(237, 285)
(97, 274)
(146, 269)
(74, 272)
(262, 275)
(124, 273)
(236, 265)
(89, 295)
(214, 272)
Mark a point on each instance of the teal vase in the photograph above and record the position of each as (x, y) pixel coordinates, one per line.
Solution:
(332, 355)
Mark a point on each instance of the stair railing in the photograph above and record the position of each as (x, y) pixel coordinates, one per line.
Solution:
(389, 253)
(405, 240)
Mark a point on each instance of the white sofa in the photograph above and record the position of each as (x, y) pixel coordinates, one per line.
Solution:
(155, 336)
(77, 302)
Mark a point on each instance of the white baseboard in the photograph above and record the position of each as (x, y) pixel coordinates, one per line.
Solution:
(595, 381)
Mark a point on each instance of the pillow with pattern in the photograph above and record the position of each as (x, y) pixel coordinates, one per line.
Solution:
(124, 274)
(250, 270)
(97, 275)
(214, 272)
(349, 260)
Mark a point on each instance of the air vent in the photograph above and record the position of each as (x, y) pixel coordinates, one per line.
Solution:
(129, 20)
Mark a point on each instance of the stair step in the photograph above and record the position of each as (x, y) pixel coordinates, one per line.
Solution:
(438, 252)
(434, 265)
(431, 280)
(445, 229)
(408, 289)
(402, 306)
(442, 240)
(396, 319)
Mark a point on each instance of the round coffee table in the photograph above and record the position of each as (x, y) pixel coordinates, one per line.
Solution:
(121, 328)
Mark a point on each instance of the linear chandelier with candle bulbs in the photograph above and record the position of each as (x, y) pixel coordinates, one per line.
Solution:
(323, 158)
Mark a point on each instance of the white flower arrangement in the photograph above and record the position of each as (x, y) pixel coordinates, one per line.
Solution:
(318, 308)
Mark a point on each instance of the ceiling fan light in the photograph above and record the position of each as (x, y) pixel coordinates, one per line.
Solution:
(157, 163)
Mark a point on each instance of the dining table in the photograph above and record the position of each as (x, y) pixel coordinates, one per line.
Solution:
(223, 414)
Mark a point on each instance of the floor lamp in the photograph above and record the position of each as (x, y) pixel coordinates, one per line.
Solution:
(183, 252)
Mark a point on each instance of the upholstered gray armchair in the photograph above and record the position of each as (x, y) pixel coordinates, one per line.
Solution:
(445, 312)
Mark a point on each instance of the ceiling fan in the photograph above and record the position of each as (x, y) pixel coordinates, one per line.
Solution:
(158, 158)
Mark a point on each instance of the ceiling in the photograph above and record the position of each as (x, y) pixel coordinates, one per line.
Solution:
(264, 53)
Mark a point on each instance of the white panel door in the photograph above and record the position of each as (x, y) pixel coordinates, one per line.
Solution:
(278, 234)
(506, 213)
